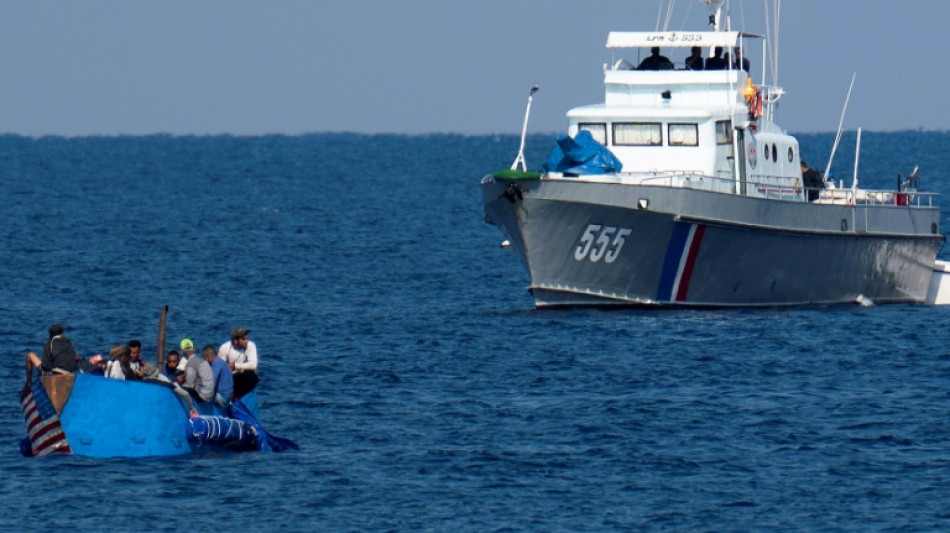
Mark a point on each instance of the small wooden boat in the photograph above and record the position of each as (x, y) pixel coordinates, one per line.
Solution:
(94, 416)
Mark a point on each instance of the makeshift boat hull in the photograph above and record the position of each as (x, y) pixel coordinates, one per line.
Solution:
(103, 417)
(590, 242)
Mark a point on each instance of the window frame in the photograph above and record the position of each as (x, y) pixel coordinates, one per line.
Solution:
(615, 125)
(727, 130)
(669, 133)
(581, 127)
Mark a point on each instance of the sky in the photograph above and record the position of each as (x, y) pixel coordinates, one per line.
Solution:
(111, 67)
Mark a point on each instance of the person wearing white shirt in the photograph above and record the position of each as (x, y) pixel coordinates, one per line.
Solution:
(241, 356)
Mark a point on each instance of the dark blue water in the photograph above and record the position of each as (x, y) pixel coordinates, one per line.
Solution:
(400, 349)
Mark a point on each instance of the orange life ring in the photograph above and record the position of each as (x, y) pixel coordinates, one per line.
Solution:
(755, 105)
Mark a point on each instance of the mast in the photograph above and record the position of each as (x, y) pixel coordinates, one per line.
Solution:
(716, 18)
(524, 129)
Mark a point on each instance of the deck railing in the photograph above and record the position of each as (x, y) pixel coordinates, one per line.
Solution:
(776, 188)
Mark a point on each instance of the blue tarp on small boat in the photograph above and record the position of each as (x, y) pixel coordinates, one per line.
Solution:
(239, 431)
(581, 155)
(96, 416)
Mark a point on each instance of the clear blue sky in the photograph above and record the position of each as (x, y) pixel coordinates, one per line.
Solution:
(418, 66)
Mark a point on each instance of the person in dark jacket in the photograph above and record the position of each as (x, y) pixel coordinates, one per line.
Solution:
(655, 61)
(58, 353)
(813, 182)
(739, 61)
(717, 62)
(695, 60)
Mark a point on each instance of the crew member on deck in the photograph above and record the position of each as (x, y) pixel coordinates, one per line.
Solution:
(738, 61)
(695, 59)
(813, 182)
(655, 61)
(716, 62)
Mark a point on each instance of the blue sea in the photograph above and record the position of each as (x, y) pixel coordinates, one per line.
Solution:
(400, 349)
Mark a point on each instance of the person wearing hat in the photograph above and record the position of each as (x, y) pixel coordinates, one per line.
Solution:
(120, 366)
(241, 356)
(199, 380)
(187, 350)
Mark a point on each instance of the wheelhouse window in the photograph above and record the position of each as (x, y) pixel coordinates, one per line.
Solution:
(683, 135)
(637, 134)
(598, 130)
(723, 132)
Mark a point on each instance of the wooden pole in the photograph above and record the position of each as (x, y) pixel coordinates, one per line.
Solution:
(161, 337)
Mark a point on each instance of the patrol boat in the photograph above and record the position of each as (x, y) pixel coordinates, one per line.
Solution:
(680, 189)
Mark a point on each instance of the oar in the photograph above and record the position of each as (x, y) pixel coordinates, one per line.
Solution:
(161, 337)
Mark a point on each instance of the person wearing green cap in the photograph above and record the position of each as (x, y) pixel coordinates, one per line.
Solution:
(187, 350)
(199, 380)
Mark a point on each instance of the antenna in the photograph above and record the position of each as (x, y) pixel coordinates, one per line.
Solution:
(524, 130)
(834, 147)
(857, 155)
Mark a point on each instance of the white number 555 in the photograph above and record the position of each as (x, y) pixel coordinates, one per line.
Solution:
(601, 242)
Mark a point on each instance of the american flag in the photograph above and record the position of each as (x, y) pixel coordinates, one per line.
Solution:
(42, 422)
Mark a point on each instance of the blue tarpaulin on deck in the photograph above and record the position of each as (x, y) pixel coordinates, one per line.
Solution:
(581, 155)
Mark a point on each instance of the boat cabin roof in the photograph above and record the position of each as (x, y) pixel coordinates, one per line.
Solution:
(676, 39)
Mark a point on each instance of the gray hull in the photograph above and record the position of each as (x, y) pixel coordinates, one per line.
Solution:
(586, 243)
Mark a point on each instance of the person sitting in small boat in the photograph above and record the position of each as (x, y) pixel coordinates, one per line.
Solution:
(223, 380)
(241, 356)
(95, 366)
(695, 60)
(142, 368)
(120, 366)
(170, 369)
(187, 349)
(199, 380)
(59, 353)
(177, 383)
(655, 61)
(717, 62)
(59, 356)
(135, 351)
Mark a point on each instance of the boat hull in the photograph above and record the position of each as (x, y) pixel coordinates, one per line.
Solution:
(591, 243)
(115, 418)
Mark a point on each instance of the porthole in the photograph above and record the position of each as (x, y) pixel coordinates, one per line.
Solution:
(774, 154)
(765, 151)
(791, 154)
(933, 228)
(844, 224)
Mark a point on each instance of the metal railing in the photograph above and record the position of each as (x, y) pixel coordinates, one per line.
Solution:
(776, 188)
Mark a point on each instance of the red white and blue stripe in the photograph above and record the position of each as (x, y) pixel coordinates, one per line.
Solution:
(45, 432)
(681, 253)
